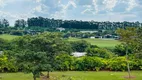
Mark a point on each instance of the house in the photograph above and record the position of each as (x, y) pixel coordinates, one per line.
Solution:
(92, 37)
(108, 36)
(88, 31)
(60, 29)
(79, 54)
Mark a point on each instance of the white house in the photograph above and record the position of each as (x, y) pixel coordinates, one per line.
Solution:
(78, 54)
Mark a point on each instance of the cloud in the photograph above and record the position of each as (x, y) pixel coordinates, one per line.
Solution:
(132, 4)
(2, 3)
(38, 1)
(84, 2)
(64, 8)
(110, 4)
(41, 8)
(72, 9)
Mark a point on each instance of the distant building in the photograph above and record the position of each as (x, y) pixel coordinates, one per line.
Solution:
(79, 54)
(60, 29)
(92, 37)
(108, 36)
(88, 31)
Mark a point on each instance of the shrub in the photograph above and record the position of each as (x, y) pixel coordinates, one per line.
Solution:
(117, 64)
(99, 52)
(64, 62)
(79, 46)
(19, 33)
(89, 63)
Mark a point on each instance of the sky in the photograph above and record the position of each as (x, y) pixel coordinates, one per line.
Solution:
(97, 10)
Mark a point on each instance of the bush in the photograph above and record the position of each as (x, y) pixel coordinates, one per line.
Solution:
(99, 52)
(19, 33)
(89, 63)
(64, 62)
(137, 64)
(117, 64)
(79, 46)
(121, 50)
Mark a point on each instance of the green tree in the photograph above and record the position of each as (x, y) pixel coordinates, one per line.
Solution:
(34, 62)
(99, 52)
(51, 44)
(64, 62)
(128, 38)
(3, 62)
(80, 46)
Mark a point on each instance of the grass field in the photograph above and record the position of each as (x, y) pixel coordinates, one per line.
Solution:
(110, 43)
(76, 76)
(8, 37)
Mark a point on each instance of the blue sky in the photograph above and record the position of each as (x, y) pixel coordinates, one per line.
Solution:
(97, 10)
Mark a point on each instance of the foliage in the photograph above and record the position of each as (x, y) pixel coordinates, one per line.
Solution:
(64, 62)
(89, 63)
(74, 24)
(121, 49)
(99, 52)
(17, 32)
(117, 64)
(3, 62)
(34, 62)
(79, 46)
(4, 23)
(20, 24)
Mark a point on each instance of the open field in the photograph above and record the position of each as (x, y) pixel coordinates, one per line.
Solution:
(8, 37)
(109, 43)
(76, 75)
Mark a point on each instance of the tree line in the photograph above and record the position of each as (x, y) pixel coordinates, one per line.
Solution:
(71, 24)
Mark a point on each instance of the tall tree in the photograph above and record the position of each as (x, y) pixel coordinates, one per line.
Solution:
(128, 38)
(49, 45)
(20, 23)
(4, 23)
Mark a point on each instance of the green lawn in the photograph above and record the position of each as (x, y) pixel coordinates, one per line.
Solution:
(76, 75)
(8, 37)
(99, 42)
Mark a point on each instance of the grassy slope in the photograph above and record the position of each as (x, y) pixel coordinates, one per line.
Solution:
(76, 75)
(8, 37)
(99, 42)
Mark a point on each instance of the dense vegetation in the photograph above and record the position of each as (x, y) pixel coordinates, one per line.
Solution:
(45, 22)
(50, 51)
(37, 51)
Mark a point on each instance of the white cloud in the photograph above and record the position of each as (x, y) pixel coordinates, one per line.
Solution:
(2, 3)
(62, 13)
(88, 11)
(38, 1)
(132, 4)
(95, 6)
(110, 4)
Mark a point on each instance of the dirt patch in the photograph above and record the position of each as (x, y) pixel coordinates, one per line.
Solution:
(131, 77)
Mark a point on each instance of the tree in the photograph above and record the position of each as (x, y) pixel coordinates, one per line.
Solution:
(20, 23)
(64, 62)
(80, 46)
(120, 50)
(34, 62)
(4, 23)
(99, 52)
(49, 45)
(128, 38)
(3, 62)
